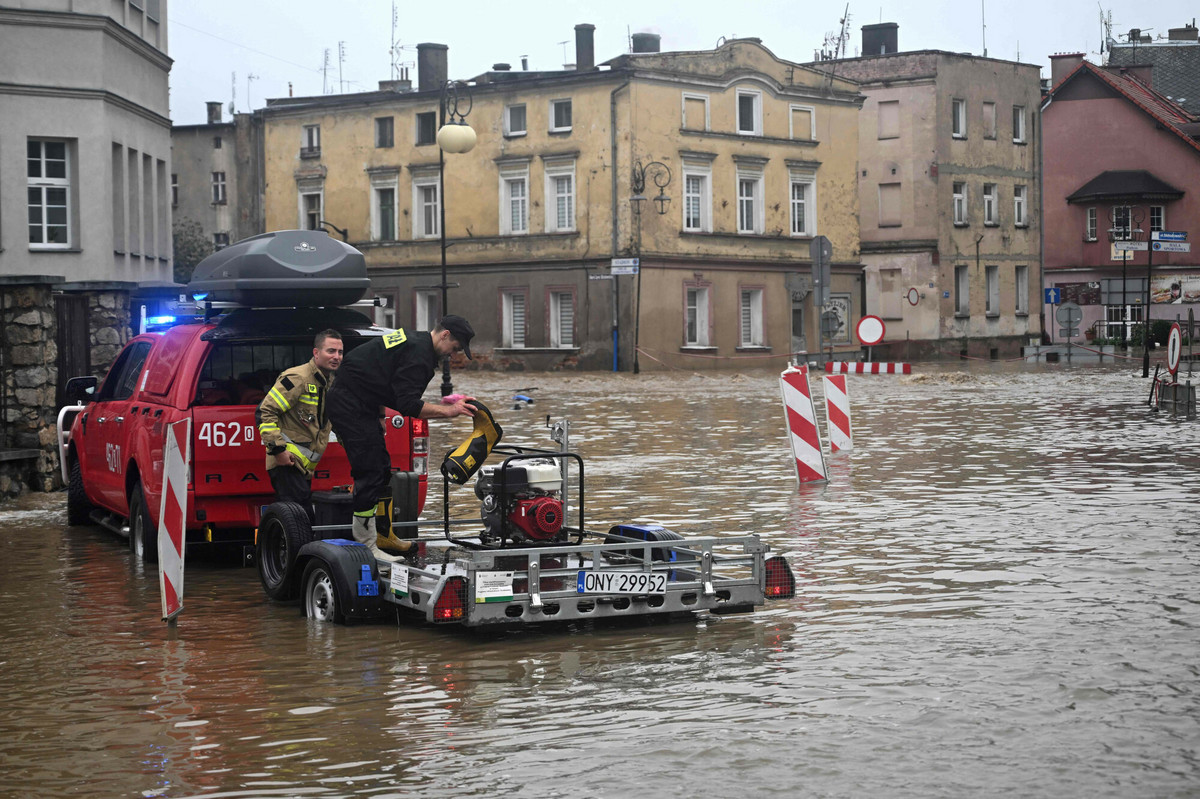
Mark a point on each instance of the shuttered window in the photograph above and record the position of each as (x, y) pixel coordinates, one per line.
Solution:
(562, 319)
(514, 319)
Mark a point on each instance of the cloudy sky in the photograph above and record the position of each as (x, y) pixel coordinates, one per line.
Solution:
(246, 50)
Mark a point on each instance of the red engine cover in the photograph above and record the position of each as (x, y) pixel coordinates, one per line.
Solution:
(539, 518)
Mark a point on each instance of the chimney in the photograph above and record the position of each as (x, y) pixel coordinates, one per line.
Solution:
(399, 86)
(1140, 72)
(431, 67)
(1061, 65)
(585, 47)
(646, 42)
(524, 63)
(1188, 33)
(214, 112)
(880, 39)
(501, 67)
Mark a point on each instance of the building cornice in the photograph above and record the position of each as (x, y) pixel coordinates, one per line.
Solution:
(98, 95)
(57, 19)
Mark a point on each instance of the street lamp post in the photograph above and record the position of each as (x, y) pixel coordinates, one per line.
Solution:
(341, 231)
(660, 174)
(454, 136)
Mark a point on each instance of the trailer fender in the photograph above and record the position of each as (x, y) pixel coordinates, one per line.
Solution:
(351, 569)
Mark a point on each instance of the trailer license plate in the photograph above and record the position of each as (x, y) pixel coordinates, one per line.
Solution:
(591, 582)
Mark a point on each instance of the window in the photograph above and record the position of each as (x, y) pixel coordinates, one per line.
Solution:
(220, 241)
(218, 188)
(749, 204)
(514, 199)
(513, 322)
(991, 276)
(514, 120)
(1018, 124)
(695, 112)
(749, 112)
(1089, 231)
(696, 317)
(310, 142)
(751, 318)
(49, 194)
(1019, 217)
(960, 204)
(560, 197)
(697, 198)
(562, 319)
(889, 119)
(802, 208)
(385, 214)
(174, 189)
(891, 293)
(958, 118)
(1157, 216)
(989, 120)
(427, 310)
(803, 122)
(1021, 277)
(123, 377)
(385, 132)
(426, 128)
(426, 207)
(311, 212)
(889, 205)
(989, 204)
(216, 142)
(1120, 220)
(560, 116)
(962, 305)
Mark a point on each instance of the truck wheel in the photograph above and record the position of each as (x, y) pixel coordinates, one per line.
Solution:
(321, 593)
(143, 534)
(79, 510)
(283, 530)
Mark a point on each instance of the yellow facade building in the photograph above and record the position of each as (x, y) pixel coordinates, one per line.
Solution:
(745, 159)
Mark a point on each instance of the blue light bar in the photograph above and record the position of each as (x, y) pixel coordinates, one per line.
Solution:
(160, 320)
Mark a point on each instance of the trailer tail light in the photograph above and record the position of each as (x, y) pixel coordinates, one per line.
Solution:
(420, 446)
(452, 602)
(780, 582)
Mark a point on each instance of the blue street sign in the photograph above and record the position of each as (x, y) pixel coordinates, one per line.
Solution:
(1053, 296)
(1169, 235)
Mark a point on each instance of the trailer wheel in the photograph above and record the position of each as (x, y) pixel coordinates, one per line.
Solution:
(79, 510)
(321, 593)
(283, 530)
(143, 534)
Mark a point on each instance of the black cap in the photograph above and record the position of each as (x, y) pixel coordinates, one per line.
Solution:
(461, 330)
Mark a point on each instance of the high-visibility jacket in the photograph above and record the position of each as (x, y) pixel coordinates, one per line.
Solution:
(292, 417)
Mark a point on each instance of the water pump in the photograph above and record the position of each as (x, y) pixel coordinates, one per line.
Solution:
(528, 495)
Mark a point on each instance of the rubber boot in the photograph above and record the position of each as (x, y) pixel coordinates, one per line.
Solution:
(385, 538)
(364, 533)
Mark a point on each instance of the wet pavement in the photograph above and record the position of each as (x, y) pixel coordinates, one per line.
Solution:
(997, 594)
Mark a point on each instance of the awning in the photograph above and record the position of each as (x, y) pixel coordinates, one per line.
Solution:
(1133, 185)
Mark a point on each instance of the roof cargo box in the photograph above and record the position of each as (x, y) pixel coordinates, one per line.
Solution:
(284, 269)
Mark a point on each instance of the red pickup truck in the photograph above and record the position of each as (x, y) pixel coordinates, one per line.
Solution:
(214, 371)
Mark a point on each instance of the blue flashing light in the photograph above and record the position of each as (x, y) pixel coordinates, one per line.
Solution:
(200, 296)
(160, 320)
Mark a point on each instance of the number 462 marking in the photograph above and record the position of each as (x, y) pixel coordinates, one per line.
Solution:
(226, 434)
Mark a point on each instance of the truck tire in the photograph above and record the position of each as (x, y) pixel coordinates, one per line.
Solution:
(322, 597)
(283, 530)
(143, 534)
(79, 510)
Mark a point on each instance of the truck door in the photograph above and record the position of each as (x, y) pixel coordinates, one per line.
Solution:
(109, 418)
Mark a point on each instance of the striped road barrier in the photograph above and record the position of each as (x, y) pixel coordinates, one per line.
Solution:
(801, 417)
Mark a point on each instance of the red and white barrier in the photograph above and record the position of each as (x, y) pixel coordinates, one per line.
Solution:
(172, 517)
(802, 425)
(837, 412)
(843, 367)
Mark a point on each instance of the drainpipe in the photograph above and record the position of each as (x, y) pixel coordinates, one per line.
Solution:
(1041, 184)
(612, 125)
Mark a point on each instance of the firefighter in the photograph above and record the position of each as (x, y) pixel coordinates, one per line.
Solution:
(293, 421)
(391, 371)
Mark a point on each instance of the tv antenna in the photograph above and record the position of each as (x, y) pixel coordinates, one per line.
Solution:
(249, 77)
(232, 92)
(325, 73)
(341, 60)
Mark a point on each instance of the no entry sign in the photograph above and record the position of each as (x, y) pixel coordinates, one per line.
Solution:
(1174, 345)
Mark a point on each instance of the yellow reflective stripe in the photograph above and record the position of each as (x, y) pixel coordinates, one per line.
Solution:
(365, 513)
(266, 427)
(299, 455)
(280, 400)
(309, 400)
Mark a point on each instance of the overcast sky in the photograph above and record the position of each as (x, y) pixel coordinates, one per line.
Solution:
(279, 43)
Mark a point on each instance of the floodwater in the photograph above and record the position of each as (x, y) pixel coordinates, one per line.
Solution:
(997, 594)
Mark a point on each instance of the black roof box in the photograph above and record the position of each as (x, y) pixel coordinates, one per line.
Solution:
(284, 269)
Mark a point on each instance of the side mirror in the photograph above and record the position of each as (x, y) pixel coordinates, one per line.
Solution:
(79, 390)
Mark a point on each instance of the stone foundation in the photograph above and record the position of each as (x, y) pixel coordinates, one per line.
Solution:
(28, 353)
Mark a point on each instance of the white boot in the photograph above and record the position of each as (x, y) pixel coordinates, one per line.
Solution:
(364, 533)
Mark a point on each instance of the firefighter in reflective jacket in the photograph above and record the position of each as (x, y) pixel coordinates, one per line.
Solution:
(292, 421)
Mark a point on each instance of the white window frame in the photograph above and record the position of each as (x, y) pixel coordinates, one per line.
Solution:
(696, 315)
(510, 130)
(555, 173)
(512, 176)
(683, 110)
(962, 290)
(1021, 281)
(511, 337)
(554, 104)
(1090, 225)
(757, 112)
(808, 180)
(991, 277)
(703, 173)
(555, 298)
(958, 118)
(1018, 124)
(427, 304)
(750, 317)
(219, 196)
(1020, 206)
(1160, 225)
(812, 120)
(43, 185)
(302, 207)
(989, 204)
(174, 189)
(753, 177)
(959, 207)
(420, 186)
(383, 182)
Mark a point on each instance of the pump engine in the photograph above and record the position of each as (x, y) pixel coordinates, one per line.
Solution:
(530, 501)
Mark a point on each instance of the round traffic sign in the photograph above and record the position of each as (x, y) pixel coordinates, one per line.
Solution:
(1174, 345)
(914, 296)
(870, 330)
(1068, 314)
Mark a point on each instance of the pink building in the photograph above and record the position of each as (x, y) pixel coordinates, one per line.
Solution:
(1121, 164)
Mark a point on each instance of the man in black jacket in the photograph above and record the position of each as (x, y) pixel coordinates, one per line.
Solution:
(391, 371)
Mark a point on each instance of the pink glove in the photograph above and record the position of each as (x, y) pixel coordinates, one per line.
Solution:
(450, 399)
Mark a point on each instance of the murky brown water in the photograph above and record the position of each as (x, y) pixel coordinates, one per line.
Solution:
(997, 595)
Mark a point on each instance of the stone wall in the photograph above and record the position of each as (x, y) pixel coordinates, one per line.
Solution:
(29, 450)
(109, 328)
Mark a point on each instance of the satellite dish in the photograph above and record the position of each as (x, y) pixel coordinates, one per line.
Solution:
(231, 108)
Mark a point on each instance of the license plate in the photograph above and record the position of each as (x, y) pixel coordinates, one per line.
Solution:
(592, 582)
